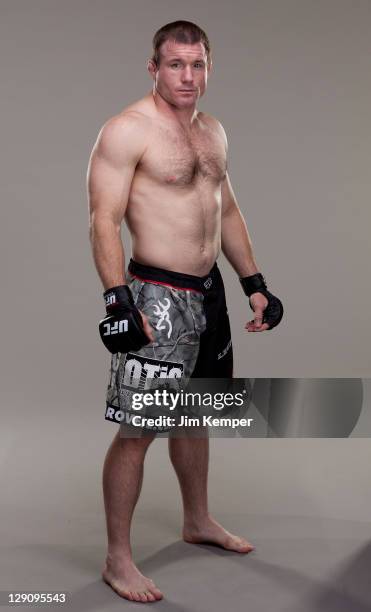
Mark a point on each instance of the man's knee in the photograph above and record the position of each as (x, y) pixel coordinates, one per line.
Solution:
(134, 442)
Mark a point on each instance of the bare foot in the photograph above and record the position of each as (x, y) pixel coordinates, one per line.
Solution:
(211, 532)
(127, 581)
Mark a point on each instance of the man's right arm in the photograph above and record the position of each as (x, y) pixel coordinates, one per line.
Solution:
(119, 147)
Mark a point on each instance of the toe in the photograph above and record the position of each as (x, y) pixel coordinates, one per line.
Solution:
(238, 544)
(156, 592)
(152, 588)
(150, 596)
(245, 546)
(143, 596)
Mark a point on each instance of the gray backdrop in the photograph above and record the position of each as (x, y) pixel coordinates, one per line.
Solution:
(291, 84)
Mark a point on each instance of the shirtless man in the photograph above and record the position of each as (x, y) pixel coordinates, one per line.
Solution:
(161, 165)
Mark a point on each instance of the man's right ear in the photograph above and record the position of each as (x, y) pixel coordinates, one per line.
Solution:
(151, 67)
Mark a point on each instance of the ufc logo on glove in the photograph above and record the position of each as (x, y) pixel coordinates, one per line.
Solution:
(118, 327)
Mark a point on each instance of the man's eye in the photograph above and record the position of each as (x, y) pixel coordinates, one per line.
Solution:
(198, 65)
(175, 65)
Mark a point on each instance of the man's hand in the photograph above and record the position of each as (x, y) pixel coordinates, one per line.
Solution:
(267, 307)
(147, 327)
(258, 303)
(124, 328)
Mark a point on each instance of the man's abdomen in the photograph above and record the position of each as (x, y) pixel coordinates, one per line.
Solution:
(179, 232)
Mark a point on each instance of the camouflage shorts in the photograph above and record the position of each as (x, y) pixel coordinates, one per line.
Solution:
(189, 318)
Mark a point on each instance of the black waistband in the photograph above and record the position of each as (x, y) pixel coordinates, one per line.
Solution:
(175, 279)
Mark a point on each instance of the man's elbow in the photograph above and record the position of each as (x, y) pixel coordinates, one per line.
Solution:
(102, 224)
(228, 210)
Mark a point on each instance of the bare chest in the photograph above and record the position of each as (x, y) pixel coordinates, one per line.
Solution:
(175, 158)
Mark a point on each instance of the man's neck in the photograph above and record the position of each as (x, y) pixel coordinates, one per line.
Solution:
(184, 116)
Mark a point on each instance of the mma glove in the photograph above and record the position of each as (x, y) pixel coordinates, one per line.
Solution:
(273, 312)
(122, 328)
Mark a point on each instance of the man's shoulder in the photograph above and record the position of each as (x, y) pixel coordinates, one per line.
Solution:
(127, 121)
(126, 130)
(213, 123)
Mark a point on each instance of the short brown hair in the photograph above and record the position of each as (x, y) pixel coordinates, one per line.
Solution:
(180, 31)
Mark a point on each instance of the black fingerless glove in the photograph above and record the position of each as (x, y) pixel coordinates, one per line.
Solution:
(255, 283)
(122, 328)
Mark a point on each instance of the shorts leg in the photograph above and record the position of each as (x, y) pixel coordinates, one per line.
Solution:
(215, 358)
(177, 319)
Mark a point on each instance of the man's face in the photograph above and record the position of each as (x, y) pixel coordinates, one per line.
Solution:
(181, 77)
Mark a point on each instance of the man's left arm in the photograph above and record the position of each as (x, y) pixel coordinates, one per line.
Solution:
(237, 247)
(236, 242)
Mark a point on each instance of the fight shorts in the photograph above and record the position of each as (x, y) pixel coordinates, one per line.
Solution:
(192, 337)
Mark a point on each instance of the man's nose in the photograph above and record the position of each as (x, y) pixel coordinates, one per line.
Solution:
(187, 74)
